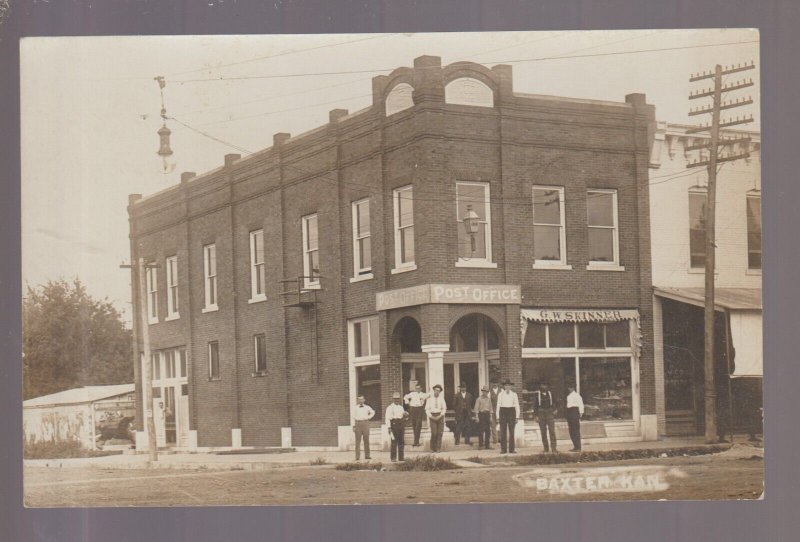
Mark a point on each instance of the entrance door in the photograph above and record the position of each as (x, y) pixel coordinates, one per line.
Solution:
(458, 372)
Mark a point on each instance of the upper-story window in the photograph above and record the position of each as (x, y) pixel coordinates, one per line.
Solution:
(404, 228)
(603, 227)
(172, 287)
(152, 294)
(697, 228)
(468, 91)
(549, 232)
(362, 245)
(210, 274)
(472, 200)
(754, 231)
(311, 251)
(257, 275)
(260, 351)
(213, 360)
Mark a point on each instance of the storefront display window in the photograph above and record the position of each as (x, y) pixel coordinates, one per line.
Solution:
(557, 372)
(606, 388)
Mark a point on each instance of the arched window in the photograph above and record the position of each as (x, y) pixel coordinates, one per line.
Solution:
(468, 91)
(399, 99)
(409, 336)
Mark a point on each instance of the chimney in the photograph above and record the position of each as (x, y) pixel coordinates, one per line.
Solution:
(280, 138)
(231, 158)
(636, 99)
(335, 114)
(186, 175)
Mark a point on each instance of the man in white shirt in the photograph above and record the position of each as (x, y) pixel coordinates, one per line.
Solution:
(574, 413)
(507, 412)
(435, 408)
(416, 405)
(395, 420)
(363, 414)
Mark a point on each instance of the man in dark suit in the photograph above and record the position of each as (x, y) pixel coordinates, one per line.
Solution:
(462, 404)
(544, 409)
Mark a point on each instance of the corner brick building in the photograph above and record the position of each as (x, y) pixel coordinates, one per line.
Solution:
(454, 231)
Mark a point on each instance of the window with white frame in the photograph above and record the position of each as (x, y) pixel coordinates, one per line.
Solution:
(172, 287)
(260, 351)
(549, 232)
(473, 197)
(213, 360)
(311, 251)
(152, 294)
(257, 274)
(404, 227)
(698, 200)
(210, 273)
(754, 231)
(364, 339)
(602, 224)
(362, 243)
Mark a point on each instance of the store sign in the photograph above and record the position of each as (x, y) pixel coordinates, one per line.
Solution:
(626, 479)
(484, 294)
(575, 316)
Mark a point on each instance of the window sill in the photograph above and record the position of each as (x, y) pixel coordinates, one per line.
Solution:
(477, 264)
(360, 278)
(756, 272)
(257, 299)
(366, 360)
(404, 269)
(258, 374)
(602, 267)
(700, 271)
(172, 317)
(152, 321)
(546, 265)
(212, 308)
(313, 286)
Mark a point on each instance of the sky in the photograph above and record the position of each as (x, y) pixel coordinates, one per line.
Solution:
(90, 111)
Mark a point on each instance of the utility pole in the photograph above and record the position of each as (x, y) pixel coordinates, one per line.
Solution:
(147, 366)
(715, 156)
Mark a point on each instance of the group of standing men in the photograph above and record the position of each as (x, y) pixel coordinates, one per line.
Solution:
(494, 405)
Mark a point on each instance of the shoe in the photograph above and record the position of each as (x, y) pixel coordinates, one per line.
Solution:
(575, 450)
(489, 448)
(546, 451)
(512, 452)
(503, 452)
(394, 460)
(368, 458)
(555, 451)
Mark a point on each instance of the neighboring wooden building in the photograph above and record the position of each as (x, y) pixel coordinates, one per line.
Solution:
(89, 414)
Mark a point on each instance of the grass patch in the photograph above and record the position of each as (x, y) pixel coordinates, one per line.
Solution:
(356, 465)
(478, 459)
(426, 463)
(318, 461)
(616, 455)
(61, 450)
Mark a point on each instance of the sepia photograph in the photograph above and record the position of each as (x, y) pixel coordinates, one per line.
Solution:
(395, 268)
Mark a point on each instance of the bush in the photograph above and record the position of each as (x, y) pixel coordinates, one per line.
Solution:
(478, 459)
(60, 450)
(615, 455)
(318, 461)
(426, 463)
(355, 465)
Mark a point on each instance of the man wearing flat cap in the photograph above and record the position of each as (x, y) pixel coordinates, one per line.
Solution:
(483, 413)
(435, 408)
(507, 412)
(463, 409)
(395, 420)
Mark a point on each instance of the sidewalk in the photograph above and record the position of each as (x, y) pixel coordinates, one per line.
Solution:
(266, 461)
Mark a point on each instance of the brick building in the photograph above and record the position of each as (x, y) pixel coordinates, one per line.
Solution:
(339, 262)
(678, 210)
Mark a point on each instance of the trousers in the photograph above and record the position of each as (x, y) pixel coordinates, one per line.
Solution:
(508, 419)
(547, 422)
(484, 421)
(437, 428)
(398, 442)
(462, 428)
(574, 424)
(362, 432)
(494, 425)
(417, 415)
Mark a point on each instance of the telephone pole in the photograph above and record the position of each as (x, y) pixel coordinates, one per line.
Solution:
(715, 156)
(138, 272)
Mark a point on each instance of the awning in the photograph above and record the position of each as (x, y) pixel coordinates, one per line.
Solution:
(746, 336)
(744, 308)
(724, 298)
(578, 315)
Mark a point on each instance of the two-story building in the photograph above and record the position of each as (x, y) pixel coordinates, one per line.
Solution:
(678, 214)
(455, 231)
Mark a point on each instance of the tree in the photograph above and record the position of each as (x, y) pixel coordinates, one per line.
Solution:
(71, 339)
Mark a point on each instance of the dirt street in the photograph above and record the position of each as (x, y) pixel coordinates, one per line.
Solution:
(721, 476)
